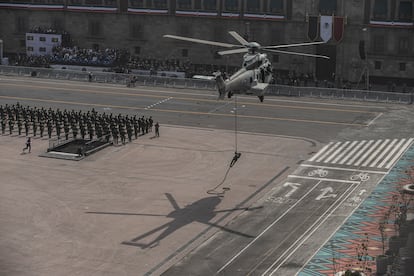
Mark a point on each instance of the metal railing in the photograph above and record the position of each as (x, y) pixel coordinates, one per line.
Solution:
(156, 81)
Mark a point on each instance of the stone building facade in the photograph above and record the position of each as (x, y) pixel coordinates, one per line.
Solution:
(386, 26)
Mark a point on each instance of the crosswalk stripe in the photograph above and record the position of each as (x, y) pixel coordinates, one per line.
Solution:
(379, 158)
(320, 152)
(359, 161)
(359, 152)
(391, 153)
(381, 154)
(375, 152)
(360, 144)
(328, 152)
(336, 152)
(344, 152)
(402, 149)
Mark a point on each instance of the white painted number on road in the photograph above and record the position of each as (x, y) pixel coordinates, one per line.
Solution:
(363, 191)
(294, 187)
(325, 193)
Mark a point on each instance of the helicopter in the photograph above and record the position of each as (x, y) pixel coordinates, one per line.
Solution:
(256, 72)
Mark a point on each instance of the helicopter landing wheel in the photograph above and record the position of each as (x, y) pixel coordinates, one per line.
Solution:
(261, 98)
(229, 95)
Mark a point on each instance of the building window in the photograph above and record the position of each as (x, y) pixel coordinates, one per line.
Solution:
(405, 11)
(380, 9)
(327, 7)
(231, 5)
(21, 24)
(29, 37)
(184, 52)
(184, 4)
(93, 2)
(160, 4)
(135, 30)
(210, 5)
(42, 49)
(276, 6)
(378, 65)
(137, 50)
(55, 39)
(110, 3)
(95, 47)
(402, 66)
(403, 45)
(253, 6)
(30, 49)
(136, 3)
(95, 28)
(378, 44)
(42, 38)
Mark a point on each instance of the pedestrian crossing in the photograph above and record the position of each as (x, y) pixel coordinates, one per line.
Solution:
(380, 154)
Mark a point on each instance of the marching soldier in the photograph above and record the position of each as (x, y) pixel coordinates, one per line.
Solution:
(42, 127)
(49, 128)
(19, 126)
(34, 127)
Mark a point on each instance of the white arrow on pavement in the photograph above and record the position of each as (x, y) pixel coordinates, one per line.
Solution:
(294, 187)
(325, 192)
(363, 191)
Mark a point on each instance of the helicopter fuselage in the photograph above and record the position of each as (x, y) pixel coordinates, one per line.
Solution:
(252, 78)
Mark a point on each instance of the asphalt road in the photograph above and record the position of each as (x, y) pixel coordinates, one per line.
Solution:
(285, 227)
(318, 120)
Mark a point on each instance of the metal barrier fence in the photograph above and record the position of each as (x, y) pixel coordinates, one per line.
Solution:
(154, 81)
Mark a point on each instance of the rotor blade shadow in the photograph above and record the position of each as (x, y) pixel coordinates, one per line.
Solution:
(125, 214)
(230, 230)
(239, 209)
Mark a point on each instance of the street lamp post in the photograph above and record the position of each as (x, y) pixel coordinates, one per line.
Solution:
(1, 51)
(365, 31)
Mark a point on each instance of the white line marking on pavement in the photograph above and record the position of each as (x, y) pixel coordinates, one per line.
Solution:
(359, 152)
(334, 232)
(405, 147)
(375, 153)
(391, 153)
(344, 152)
(323, 179)
(383, 153)
(320, 152)
(325, 217)
(376, 117)
(336, 152)
(367, 153)
(267, 228)
(328, 152)
(341, 169)
(352, 152)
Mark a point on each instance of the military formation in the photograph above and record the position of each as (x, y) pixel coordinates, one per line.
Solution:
(64, 124)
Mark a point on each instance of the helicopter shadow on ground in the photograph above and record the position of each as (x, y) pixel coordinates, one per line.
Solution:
(201, 211)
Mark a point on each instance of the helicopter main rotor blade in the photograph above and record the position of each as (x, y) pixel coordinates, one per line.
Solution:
(239, 38)
(172, 201)
(296, 53)
(235, 51)
(292, 45)
(201, 41)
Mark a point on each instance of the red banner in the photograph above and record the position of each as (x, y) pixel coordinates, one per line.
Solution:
(338, 28)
